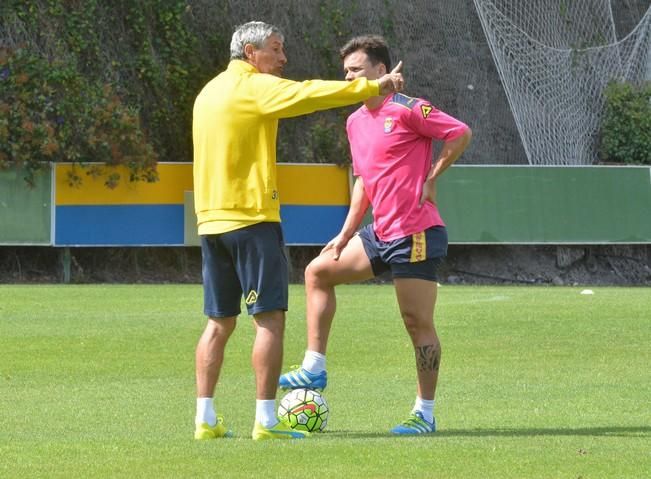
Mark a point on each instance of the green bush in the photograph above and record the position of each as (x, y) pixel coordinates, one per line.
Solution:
(97, 81)
(626, 125)
(49, 112)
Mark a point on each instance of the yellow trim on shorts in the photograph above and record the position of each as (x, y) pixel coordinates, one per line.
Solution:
(418, 247)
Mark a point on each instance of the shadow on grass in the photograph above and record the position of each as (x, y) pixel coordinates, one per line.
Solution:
(641, 431)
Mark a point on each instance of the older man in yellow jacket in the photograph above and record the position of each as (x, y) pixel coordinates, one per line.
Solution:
(238, 210)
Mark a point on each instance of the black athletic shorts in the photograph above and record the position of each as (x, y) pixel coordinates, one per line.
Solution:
(247, 263)
(414, 256)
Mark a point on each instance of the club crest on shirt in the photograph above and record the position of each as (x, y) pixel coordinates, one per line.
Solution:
(388, 124)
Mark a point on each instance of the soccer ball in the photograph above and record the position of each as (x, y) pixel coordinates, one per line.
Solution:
(304, 410)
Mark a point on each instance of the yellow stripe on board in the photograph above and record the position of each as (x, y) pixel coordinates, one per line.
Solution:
(298, 184)
(174, 179)
(313, 184)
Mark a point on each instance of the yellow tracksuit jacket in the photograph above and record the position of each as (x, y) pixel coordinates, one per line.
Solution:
(235, 123)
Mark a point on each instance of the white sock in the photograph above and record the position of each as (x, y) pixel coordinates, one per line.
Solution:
(205, 412)
(314, 362)
(265, 412)
(425, 407)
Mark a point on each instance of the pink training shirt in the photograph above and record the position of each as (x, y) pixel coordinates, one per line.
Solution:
(391, 148)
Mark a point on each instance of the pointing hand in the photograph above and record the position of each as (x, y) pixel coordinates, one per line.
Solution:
(392, 81)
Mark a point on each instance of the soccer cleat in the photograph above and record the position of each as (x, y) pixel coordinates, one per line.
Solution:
(299, 378)
(204, 431)
(279, 431)
(415, 424)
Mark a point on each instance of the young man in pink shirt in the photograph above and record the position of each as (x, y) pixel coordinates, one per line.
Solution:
(391, 144)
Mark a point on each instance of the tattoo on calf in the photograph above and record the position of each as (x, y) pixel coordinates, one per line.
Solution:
(428, 357)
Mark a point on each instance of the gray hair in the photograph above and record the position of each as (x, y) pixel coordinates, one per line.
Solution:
(255, 33)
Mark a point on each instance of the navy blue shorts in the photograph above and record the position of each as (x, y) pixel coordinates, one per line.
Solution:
(249, 262)
(414, 256)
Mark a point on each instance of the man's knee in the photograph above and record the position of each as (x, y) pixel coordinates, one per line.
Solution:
(417, 323)
(272, 322)
(221, 327)
(316, 273)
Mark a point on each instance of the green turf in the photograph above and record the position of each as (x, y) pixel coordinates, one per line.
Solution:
(536, 382)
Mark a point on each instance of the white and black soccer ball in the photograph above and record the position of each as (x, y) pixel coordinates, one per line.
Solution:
(304, 410)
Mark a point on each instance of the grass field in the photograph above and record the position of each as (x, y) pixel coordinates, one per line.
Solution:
(536, 382)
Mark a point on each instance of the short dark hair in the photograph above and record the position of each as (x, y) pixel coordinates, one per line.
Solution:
(373, 45)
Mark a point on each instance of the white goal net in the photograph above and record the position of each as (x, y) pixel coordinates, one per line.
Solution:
(555, 57)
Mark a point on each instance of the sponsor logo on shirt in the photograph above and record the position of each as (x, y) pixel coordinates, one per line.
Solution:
(388, 124)
(426, 110)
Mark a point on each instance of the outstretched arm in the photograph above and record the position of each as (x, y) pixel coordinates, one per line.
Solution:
(359, 203)
(286, 98)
